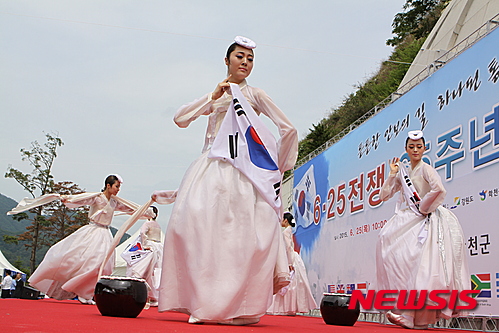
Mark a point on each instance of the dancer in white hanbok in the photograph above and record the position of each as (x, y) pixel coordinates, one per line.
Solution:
(149, 267)
(297, 296)
(221, 247)
(422, 246)
(71, 266)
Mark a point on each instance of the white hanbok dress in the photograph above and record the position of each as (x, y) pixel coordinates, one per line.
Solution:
(149, 268)
(297, 296)
(406, 259)
(221, 247)
(71, 266)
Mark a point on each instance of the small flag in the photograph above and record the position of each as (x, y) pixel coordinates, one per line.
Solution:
(481, 282)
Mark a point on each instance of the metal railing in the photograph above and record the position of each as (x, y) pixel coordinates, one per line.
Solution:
(471, 322)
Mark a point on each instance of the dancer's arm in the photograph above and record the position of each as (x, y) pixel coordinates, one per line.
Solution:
(287, 144)
(436, 196)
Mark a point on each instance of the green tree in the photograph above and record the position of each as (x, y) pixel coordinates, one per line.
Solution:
(39, 181)
(418, 18)
(63, 221)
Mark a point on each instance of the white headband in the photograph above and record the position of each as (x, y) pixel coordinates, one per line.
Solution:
(245, 42)
(119, 178)
(415, 135)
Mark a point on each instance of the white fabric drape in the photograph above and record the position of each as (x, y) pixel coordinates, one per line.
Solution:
(71, 266)
(405, 263)
(221, 248)
(297, 298)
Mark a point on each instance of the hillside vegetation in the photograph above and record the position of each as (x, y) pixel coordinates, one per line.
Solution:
(411, 28)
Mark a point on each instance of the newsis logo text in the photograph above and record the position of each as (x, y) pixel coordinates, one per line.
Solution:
(414, 299)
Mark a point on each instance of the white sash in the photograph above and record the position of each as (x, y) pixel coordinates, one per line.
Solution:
(408, 191)
(412, 198)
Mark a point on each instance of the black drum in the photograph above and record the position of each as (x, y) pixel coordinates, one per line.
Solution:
(118, 296)
(334, 310)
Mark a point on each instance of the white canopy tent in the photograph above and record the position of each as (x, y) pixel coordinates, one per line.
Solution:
(5, 264)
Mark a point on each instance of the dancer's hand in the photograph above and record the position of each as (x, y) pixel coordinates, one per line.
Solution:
(221, 88)
(394, 167)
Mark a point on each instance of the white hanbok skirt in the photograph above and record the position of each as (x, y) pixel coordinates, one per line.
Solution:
(439, 263)
(221, 247)
(297, 297)
(149, 268)
(71, 266)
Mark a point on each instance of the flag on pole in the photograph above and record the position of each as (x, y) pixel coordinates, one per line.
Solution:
(244, 141)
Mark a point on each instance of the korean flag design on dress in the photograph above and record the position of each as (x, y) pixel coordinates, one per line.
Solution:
(134, 252)
(244, 141)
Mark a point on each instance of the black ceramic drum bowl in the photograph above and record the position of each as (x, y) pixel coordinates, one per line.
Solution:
(334, 310)
(120, 297)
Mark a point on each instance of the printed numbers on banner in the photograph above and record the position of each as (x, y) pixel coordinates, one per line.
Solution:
(378, 225)
(330, 199)
(317, 209)
(340, 208)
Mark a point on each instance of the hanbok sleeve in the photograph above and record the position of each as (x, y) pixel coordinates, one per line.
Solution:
(129, 207)
(287, 144)
(191, 111)
(71, 201)
(390, 187)
(27, 203)
(165, 197)
(78, 200)
(288, 240)
(436, 196)
(143, 232)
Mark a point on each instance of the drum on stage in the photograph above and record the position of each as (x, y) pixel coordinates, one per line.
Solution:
(119, 296)
(334, 310)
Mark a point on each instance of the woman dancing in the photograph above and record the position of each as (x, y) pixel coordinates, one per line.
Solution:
(71, 266)
(149, 267)
(297, 296)
(422, 246)
(223, 238)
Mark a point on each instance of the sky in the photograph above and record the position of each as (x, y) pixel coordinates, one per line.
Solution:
(107, 77)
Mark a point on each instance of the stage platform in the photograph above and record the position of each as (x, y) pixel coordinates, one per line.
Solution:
(48, 315)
